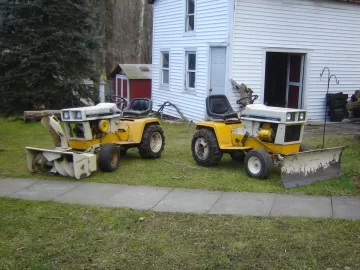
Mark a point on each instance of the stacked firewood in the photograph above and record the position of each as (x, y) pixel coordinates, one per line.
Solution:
(337, 106)
(354, 105)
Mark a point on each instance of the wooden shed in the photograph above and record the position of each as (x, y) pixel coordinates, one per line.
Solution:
(132, 81)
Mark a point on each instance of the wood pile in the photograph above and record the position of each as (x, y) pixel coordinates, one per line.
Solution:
(354, 105)
(337, 106)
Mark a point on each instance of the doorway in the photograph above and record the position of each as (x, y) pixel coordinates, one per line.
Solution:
(284, 74)
(217, 70)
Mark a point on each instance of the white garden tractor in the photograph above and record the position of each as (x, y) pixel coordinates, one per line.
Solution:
(262, 136)
(103, 129)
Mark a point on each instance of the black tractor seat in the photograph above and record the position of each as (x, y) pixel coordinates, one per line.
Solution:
(218, 107)
(138, 107)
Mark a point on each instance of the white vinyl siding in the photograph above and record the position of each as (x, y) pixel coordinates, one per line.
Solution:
(169, 32)
(327, 31)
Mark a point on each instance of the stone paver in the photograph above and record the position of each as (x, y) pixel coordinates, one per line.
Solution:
(236, 203)
(10, 185)
(137, 197)
(182, 200)
(346, 207)
(90, 193)
(45, 190)
(188, 201)
(302, 205)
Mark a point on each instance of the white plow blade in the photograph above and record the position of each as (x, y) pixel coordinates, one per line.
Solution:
(78, 165)
(307, 167)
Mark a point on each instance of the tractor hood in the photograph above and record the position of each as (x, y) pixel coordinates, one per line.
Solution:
(260, 112)
(81, 114)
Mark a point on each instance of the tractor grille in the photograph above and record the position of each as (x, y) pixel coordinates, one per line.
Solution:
(292, 133)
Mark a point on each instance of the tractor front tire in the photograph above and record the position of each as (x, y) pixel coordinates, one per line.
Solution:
(258, 163)
(109, 157)
(152, 142)
(205, 148)
(237, 155)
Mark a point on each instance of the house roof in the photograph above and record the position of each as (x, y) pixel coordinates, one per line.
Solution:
(135, 71)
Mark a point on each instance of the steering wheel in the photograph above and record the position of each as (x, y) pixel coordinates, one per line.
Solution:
(254, 97)
(120, 102)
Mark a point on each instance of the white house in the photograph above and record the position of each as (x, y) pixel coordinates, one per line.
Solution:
(278, 48)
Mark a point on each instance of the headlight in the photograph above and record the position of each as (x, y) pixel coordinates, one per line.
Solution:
(66, 115)
(78, 115)
(288, 117)
(302, 116)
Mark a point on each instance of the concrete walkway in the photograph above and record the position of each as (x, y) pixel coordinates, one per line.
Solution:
(182, 200)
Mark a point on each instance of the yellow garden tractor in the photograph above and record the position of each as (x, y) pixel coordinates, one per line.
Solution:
(262, 136)
(96, 136)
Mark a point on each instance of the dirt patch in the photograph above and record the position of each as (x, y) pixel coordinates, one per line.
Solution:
(339, 128)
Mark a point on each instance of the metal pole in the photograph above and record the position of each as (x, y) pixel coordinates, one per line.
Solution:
(326, 103)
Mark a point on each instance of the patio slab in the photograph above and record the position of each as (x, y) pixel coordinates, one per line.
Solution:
(188, 201)
(346, 207)
(46, 190)
(90, 193)
(10, 185)
(182, 200)
(302, 205)
(240, 203)
(137, 197)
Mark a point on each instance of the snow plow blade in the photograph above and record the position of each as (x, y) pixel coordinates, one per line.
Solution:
(308, 167)
(66, 163)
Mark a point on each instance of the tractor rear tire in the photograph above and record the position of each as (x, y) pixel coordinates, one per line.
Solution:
(109, 157)
(205, 148)
(237, 155)
(258, 163)
(152, 142)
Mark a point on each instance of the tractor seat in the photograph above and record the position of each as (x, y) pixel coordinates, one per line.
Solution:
(218, 106)
(138, 107)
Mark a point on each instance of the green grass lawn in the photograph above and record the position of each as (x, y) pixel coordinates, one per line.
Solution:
(176, 168)
(48, 235)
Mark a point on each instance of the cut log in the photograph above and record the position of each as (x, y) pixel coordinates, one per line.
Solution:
(38, 115)
(357, 94)
(353, 105)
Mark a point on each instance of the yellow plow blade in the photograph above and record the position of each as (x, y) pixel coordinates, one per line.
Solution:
(66, 163)
(307, 167)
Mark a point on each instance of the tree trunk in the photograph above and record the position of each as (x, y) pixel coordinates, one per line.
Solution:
(109, 35)
(142, 37)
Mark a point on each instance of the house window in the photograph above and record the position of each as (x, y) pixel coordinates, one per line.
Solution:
(165, 68)
(190, 70)
(190, 15)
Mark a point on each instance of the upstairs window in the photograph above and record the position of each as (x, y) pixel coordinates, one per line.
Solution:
(190, 15)
(165, 68)
(190, 70)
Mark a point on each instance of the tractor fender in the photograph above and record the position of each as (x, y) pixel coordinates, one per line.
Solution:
(222, 131)
(137, 126)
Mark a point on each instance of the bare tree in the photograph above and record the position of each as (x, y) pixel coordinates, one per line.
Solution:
(128, 32)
